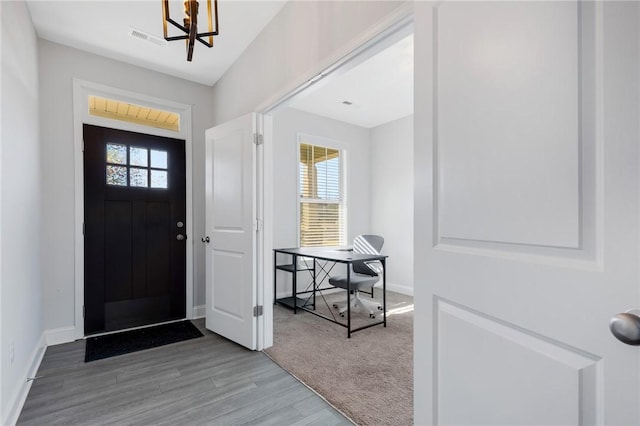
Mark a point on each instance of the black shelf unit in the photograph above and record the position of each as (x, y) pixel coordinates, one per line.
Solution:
(300, 303)
(292, 268)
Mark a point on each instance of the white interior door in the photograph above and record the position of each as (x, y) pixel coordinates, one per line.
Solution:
(230, 218)
(528, 238)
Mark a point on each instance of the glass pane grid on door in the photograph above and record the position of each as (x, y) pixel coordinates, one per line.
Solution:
(136, 167)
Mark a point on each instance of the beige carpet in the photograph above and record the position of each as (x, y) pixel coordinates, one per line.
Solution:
(368, 377)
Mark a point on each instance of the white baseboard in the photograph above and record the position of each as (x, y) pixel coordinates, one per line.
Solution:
(60, 335)
(199, 311)
(17, 402)
(48, 338)
(408, 291)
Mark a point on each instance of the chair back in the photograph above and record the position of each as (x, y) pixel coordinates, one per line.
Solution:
(368, 244)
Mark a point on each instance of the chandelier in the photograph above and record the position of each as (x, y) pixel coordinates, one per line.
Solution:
(190, 27)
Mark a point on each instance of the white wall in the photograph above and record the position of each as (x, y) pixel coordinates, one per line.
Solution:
(287, 123)
(392, 198)
(304, 38)
(423, 208)
(21, 212)
(58, 66)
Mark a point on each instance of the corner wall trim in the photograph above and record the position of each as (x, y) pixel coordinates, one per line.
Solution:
(402, 289)
(199, 311)
(17, 402)
(60, 335)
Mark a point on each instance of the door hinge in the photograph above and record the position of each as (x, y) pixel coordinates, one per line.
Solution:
(257, 225)
(257, 139)
(257, 311)
(82, 311)
(84, 229)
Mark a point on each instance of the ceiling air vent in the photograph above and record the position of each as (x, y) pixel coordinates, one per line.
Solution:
(147, 37)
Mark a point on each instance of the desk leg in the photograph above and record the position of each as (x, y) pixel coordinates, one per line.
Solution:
(275, 258)
(294, 284)
(348, 301)
(384, 292)
(315, 284)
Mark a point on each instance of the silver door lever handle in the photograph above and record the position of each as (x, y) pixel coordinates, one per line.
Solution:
(626, 327)
(206, 240)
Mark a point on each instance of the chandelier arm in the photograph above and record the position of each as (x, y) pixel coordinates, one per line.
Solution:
(214, 33)
(173, 38)
(177, 25)
(215, 14)
(203, 42)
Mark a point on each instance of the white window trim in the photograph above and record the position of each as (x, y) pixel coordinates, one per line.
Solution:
(81, 91)
(305, 138)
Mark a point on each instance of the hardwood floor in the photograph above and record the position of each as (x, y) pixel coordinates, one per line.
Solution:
(208, 380)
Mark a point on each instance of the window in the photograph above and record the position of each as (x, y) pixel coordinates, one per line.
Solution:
(132, 113)
(321, 196)
(136, 167)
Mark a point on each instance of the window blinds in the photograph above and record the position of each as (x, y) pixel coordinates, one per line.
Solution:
(321, 198)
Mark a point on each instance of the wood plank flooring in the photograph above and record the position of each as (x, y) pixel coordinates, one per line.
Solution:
(208, 380)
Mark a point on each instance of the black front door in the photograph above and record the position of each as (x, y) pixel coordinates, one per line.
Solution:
(135, 229)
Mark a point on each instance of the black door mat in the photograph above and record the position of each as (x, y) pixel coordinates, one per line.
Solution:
(137, 340)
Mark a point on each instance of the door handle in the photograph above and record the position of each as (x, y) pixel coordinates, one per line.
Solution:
(626, 327)
(206, 239)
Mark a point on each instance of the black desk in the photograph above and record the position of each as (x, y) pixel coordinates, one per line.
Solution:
(335, 256)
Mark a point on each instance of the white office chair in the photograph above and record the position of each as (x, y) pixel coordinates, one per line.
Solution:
(364, 275)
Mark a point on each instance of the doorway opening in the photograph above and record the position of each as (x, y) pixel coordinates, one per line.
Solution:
(366, 105)
(82, 92)
(134, 238)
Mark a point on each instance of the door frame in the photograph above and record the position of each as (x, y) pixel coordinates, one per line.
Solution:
(389, 30)
(82, 89)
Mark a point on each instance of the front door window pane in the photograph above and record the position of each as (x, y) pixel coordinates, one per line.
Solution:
(116, 154)
(158, 179)
(116, 175)
(139, 177)
(138, 157)
(158, 159)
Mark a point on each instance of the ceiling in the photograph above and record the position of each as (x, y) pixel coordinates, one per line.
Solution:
(103, 27)
(380, 89)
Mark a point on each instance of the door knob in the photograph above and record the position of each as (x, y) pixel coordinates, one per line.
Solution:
(626, 327)
(206, 239)
(180, 237)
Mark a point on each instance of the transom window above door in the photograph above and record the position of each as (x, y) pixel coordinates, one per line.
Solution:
(136, 167)
(114, 109)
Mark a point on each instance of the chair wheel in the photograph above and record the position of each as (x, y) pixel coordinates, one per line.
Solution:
(335, 306)
(379, 308)
(342, 315)
(372, 316)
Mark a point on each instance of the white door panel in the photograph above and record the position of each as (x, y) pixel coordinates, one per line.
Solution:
(231, 211)
(509, 107)
(228, 188)
(530, 242)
